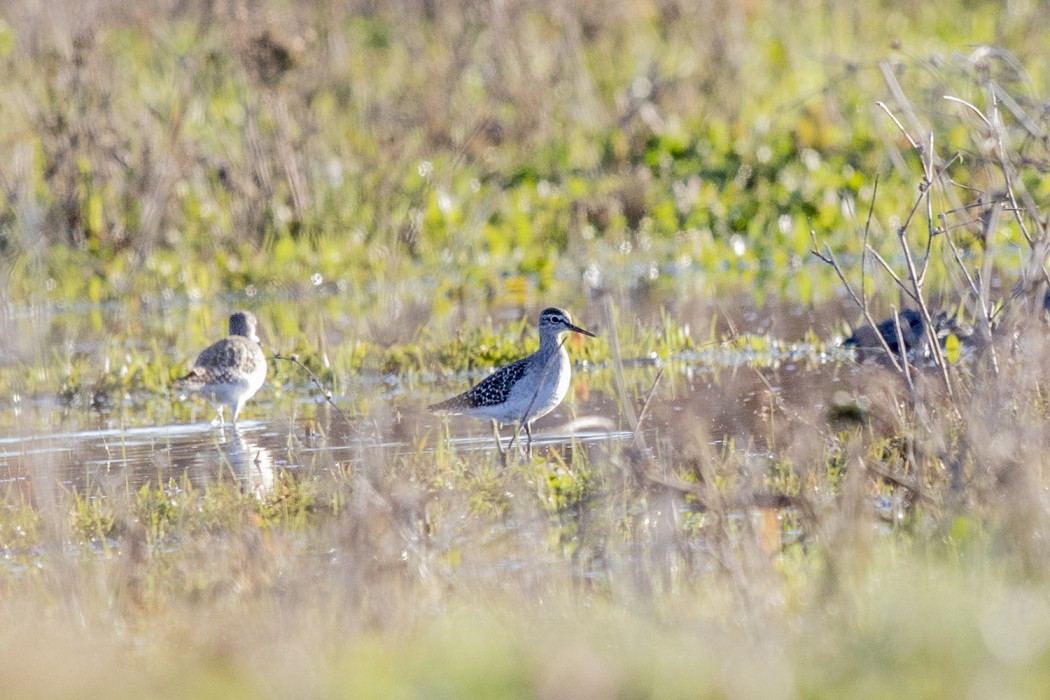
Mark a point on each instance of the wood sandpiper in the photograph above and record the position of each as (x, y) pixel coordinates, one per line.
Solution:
(525, 390)
(229, 372)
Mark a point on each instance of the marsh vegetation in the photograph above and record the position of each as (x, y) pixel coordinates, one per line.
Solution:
(727, 505)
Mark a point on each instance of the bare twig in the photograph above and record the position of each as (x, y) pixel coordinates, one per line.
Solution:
(1004, 165)
(860, 300)
(884, 108)
(325, 392)
(902, 349)
(916, 279)
(984, 316)
(892, 273)
(979, 113)
(638, 439)
(864, 249)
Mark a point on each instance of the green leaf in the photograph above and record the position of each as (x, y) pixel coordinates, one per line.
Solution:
(952, 349)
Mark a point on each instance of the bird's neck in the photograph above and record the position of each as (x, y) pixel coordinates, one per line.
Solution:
(549, 343)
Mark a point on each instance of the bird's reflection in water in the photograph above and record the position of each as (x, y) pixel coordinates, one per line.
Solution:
(251, 463)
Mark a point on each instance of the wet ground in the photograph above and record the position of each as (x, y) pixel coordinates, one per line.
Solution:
(710, 395)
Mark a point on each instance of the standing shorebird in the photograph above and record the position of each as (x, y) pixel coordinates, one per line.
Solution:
(229, 372)
(524, 390)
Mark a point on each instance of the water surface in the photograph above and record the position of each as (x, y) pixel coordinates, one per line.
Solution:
(718, 392)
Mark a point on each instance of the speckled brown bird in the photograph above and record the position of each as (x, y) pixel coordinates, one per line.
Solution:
(229, 372)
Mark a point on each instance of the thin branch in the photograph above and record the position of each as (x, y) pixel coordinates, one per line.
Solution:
(985, 316)
(1004, 165)
(962, 266)
(886, 109)
(861, 300)
(325, 392)
(864, 249)
(974, 109)
(1019, 114)
(892, 273)
(829, 258)
(931, 333)
(903, 350)
(639, 440)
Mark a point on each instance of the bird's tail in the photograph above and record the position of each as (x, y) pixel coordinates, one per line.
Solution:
(449, 407)
(194, 381)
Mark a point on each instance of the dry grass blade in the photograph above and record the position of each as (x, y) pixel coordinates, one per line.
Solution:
(532, 401)
(638, 438)
(617, 363)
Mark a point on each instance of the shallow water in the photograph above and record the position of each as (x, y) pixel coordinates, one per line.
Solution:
(710, 395)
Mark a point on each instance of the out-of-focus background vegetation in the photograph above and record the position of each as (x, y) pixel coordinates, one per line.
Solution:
(194, 148)
(395, 188)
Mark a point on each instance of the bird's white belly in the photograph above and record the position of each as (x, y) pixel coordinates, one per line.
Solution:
(240, 389)
(524, 397)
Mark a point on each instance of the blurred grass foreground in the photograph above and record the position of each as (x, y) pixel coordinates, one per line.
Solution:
(459, 158)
